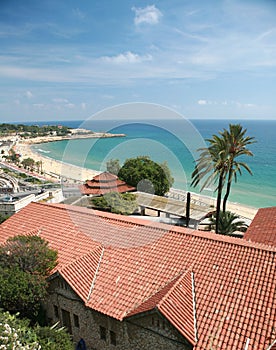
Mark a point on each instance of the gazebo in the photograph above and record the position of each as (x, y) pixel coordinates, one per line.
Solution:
(105, 183)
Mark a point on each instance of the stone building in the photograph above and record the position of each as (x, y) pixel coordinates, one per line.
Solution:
(125, 283)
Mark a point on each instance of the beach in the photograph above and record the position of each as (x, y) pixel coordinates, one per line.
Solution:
(52, 169)
(59, 171)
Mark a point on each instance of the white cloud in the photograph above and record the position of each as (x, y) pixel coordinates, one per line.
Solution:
(206, 59)
(78, 13)
(83, 105)
(60, 100)
(28, 94)
(245, 105)
(38, 105)
(107, 97)
(149, 14)
(202, 102)
(127, 57)
(70, 105)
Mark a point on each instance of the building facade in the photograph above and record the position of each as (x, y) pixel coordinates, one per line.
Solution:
(150, 330)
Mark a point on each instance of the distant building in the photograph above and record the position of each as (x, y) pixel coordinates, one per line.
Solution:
(105, 183)
(127, 284)
(12, 203)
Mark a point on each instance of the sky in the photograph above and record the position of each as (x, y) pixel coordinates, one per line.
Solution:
(67, 59)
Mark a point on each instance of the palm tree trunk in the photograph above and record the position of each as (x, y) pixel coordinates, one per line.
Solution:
(228, 188)
(219, 201)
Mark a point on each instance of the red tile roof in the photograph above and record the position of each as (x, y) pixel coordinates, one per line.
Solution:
(105, 177)
(105, 183)
(263, 227)
(122, 266)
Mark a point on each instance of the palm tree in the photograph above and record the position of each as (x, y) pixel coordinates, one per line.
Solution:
(212, 165)
(228, 223)
(39, 166)
(236, 142)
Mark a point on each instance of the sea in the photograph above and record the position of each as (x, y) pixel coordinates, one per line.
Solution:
(176, 142)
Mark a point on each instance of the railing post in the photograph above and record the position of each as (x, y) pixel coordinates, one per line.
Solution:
(188, 203)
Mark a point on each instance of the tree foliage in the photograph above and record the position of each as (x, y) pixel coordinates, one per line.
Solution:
(29, 253)
(3, 218)
(33, 130)
(113, 166)
(21, 291)
(237, 144)
(119, 203)
(28, 163)
(211, 168)
(228, 223)
(25, 262)
(218, 164)
(17, 334)
(146, 175)
(53, 338)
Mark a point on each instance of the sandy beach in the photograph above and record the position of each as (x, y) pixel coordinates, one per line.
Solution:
(63, 172)
(54, 170)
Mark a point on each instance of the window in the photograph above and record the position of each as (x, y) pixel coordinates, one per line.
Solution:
(76, 321)
(66, 320)
(103, 333)
(113, 338)
(56, 313)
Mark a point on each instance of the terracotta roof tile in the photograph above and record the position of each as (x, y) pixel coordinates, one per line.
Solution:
(133, 264)
(180, 297)
(105, 183)
(83, 269)
(263, 227)
(152, 301)
(105, 176)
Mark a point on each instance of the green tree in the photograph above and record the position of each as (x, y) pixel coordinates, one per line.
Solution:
(25, 262)
(119, 203)
(53, 338)
(228, 223)
(237, 143)
(3, 218)
(21, 292)
(146, 175)
(38, 165)
(113, 166)
(218, 162)
(211, 167)
(13, 157)
(28, 163)
(30, 253)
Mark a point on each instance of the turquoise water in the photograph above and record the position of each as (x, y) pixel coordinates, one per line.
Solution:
(176, 142)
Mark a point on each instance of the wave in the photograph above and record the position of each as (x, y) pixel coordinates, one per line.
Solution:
(43, 151)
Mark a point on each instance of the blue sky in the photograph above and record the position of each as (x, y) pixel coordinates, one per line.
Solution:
(68, 59)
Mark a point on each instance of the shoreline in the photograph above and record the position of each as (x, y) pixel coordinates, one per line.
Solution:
(59, 171)
(55, 170)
